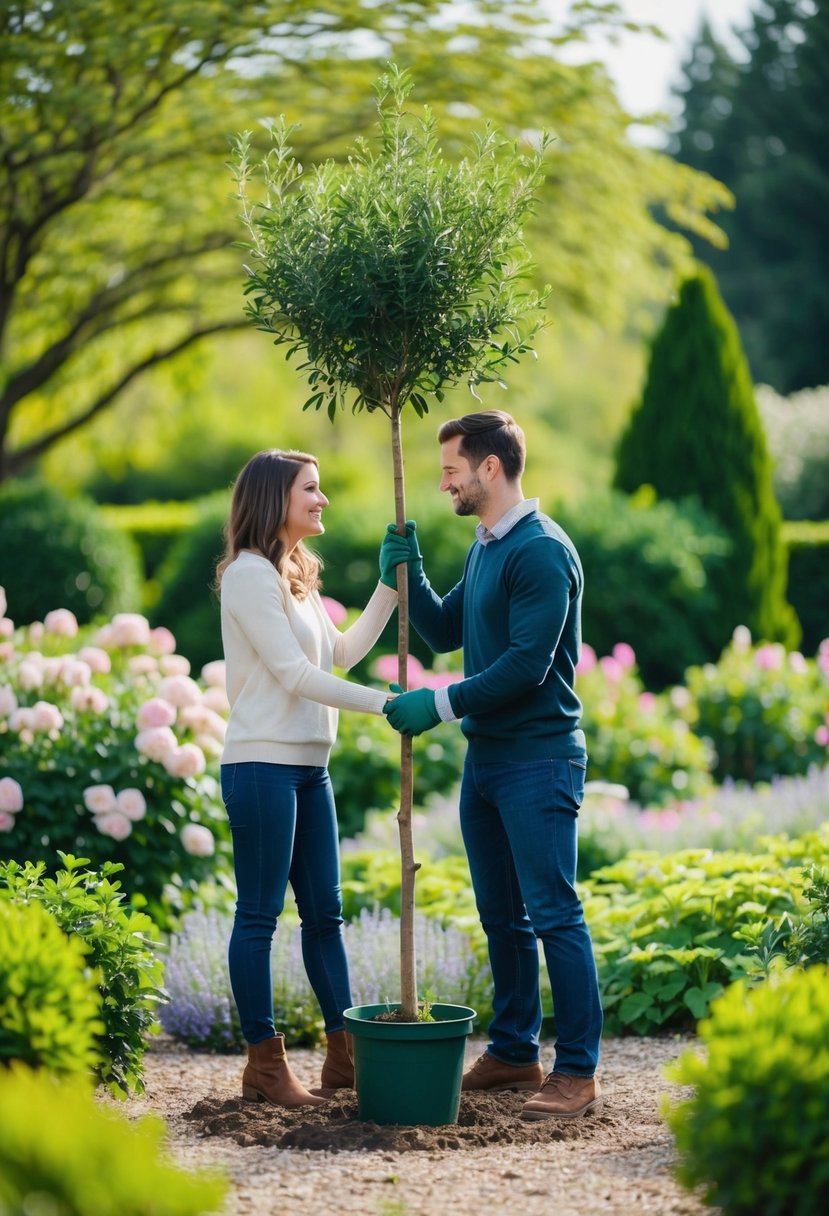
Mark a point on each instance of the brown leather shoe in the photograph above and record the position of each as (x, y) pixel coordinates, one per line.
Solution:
(338, 1065)
(268, 1077)
(489, 1073)
(563, 1096)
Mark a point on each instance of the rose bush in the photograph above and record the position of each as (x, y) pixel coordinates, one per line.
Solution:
(110, 751)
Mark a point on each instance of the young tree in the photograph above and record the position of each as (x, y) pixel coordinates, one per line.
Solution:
(697, 433)
(392, 276)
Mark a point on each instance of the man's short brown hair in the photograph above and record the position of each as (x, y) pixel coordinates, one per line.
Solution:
(488, 433)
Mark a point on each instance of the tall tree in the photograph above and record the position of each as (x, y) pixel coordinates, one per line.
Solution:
(115, 239)
(696, 433)
(756, 121)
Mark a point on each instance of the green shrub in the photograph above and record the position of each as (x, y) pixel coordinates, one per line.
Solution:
(72, 558)
(63, 1154)
(89, 906)
(809, 942)
(696, 433)
(649, 570)
(186, 603)
(154, 527)
(755, 1132)
(763, 710)
(809, 579)
(49, 1009)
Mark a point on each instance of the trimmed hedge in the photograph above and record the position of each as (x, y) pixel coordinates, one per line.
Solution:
(809, 579)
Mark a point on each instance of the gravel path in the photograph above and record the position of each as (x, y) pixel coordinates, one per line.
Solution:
(618, 1162)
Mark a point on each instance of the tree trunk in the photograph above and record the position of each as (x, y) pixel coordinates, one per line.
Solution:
(409, 867)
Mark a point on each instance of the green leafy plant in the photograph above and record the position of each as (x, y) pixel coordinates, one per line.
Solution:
(755, 1132)
(63, 1153)
(89, 906)
(49, 1008)
(809, 941)
(393, 276)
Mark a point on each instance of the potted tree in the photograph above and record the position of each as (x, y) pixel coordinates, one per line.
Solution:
(393, 276)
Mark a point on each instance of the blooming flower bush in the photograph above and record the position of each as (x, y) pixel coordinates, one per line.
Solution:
(109, 750)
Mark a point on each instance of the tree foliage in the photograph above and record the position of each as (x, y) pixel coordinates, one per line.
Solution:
(115, 235)
(756, 121)
(696, 432)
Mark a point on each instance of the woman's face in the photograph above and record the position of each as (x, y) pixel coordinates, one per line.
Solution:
(305, 504)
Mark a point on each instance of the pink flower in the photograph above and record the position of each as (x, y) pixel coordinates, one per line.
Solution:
(162, 641)
(8, 701)
(89, 700)
(61, 622)
(99, 799)
(113, 824)
(11, 796)
(6, 627)
(130, 629)
(6, 651)
(200, 719)
(797, 662)
(29, 676)
(46, 716)
(96, 659)
(174, 665)
(36, 632)
(769, 658)
(3, 601)
(647, 702)
(142, 664)
(155, 712)
(624, 655)
(612, 669)
(587, 659)
(6, 821)
(186, 761)
(385, 669)
(440, 679)
(180, 691)
(197, 840)
(131, 802)
(213, 673)
(216, 699)
(156, 743)
(22, 719)
(822, 736)
(73, 672)
(823, 656)
(210, 745)
(336, 611)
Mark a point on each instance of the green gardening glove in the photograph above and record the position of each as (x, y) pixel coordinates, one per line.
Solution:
(397, 549)
(412, 713)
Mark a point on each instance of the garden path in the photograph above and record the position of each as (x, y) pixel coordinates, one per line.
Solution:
(618, 1162)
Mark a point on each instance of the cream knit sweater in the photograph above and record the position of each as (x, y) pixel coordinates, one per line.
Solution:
(279, 652)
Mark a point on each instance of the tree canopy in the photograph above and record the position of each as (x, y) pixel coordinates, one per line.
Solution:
(116, 229)
(756, 120)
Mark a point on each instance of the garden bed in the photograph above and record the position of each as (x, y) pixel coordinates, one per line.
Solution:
(314, 1161)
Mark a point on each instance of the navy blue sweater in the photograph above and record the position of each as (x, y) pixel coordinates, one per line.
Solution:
(517, 614)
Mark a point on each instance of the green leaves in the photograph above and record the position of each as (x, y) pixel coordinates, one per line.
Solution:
(393, 273)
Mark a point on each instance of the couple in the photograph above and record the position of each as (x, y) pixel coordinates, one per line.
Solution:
(516, 613)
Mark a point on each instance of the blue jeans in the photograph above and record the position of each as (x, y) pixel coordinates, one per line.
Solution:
(519, 829)
(284, 827)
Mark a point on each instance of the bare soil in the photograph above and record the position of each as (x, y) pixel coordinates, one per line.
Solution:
(312, 1162)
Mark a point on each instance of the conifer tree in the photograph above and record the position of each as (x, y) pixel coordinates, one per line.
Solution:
(697, 433)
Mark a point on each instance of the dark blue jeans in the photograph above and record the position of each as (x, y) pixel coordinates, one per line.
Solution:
(284, 827)
(519, 829)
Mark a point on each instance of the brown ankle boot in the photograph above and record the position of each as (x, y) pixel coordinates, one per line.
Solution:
(268, 1077)
(338, 1065)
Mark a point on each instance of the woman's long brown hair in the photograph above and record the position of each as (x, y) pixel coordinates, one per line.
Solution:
(258, 511)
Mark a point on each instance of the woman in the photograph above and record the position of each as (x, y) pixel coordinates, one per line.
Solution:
(279, 647)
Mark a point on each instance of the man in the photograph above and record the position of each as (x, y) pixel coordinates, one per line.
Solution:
(517, 614)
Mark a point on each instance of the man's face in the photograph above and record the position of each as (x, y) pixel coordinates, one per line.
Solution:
(458, 479)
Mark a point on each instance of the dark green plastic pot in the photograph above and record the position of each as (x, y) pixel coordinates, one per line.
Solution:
(409, 1072)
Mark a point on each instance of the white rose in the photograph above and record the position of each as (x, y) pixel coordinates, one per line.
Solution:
(99, 799)
(198, 840)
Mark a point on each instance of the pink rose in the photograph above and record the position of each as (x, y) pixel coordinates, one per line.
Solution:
(612, 669)
(216, 699)
(197, 840)
(6, 627)
(624, 655)
(162, 641)
(440, 679)
(6, 821)
(201, 720)
(210, 745)
(89, 700)
(74, 673)
(174, 665)
(3, 601)
(113, 824)
(822, 736)
(6, 651)
(156, 712)
(21, 719)
(130, 629)
(180, 690)
(213, 673)
(61, 622)
(29, 676)
(647, 702)
(156, 743)
(36, 632)
(131, 802)
(11, 796)
(385, 670)
(336, 611)
(99, 799)
(186, 761)
(770, 658)
(96, 659)
(46, 717)
(142, 665)
(587, 659)
(8, 701)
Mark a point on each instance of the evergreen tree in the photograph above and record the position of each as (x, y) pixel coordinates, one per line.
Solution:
(757, 122)
(697, 433)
